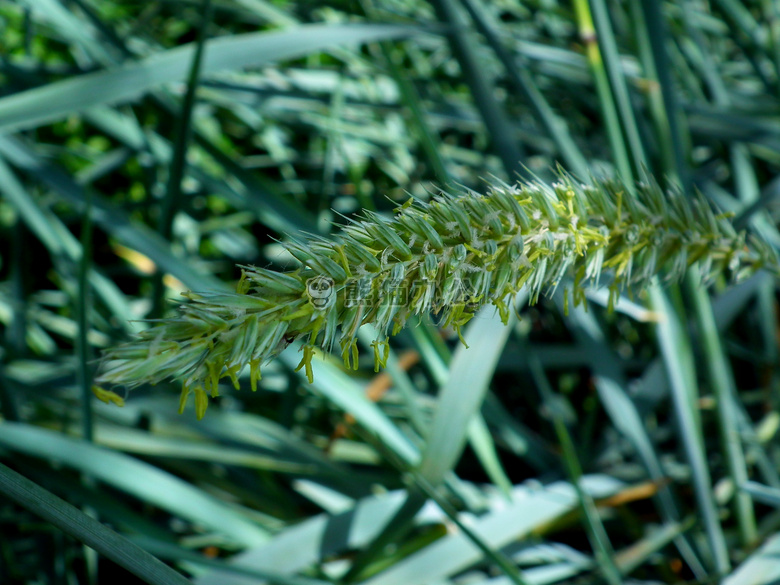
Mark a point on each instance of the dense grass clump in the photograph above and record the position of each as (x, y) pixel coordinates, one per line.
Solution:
(476, 368)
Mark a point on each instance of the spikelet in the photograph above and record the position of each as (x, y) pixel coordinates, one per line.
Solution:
(448, 257)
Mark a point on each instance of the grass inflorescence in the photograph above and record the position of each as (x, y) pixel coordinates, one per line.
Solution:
(448, 257)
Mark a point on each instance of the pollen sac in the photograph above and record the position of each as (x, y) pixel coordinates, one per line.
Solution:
(321, 291)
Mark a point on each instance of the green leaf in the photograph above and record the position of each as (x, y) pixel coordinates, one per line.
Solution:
(76, 523)
(760, 568)
(148, 483)
(530, 508)
(460, 399)
(51, 102)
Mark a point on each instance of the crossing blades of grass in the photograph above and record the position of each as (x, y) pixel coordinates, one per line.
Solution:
(675, 348)
(347, 395)
(89, 531)
(45, 104)
(530, 508)
(144, 481)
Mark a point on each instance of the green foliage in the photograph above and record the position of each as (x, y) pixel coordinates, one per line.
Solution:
(631, 438)
(448, 257)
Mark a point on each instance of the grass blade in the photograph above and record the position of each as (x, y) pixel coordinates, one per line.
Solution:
(42, 105)
(85, 529)
(761, 568)
(462, 394)
(173, 194)
(674, 348)
(721, 380)
(531, 508)
(130, 475)
(498, 125)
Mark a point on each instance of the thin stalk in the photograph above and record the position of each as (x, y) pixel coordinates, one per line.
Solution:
(653, 89)
(589, 38)
(667, 115)
(675, 349)
(525, 85)
(395, 529)
(8, 406)
(427, 138)
(83, 371)
(617, 80)
(500, 559)
(722, 382)
(766, 312)
(173, 195)
(83, 374)
(499, 127)
(597, 534)
(16, 334)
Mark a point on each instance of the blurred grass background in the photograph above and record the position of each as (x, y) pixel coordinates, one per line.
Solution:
(147, 148)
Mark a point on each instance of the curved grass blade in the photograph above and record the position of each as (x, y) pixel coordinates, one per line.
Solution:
(676, 352)
(761, 568)
(150, 445)
(314, 539)
(609, 108)
(342, 391)
(459, 401)
(148, 483)
(471, 371)
(42, 105)
(72, 521)
(233, 571)
(531, 508)
(112, 219)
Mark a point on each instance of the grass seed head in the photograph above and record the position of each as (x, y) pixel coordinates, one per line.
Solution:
(449, 256)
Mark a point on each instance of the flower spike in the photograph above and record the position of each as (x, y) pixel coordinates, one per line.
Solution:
(448, 257)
